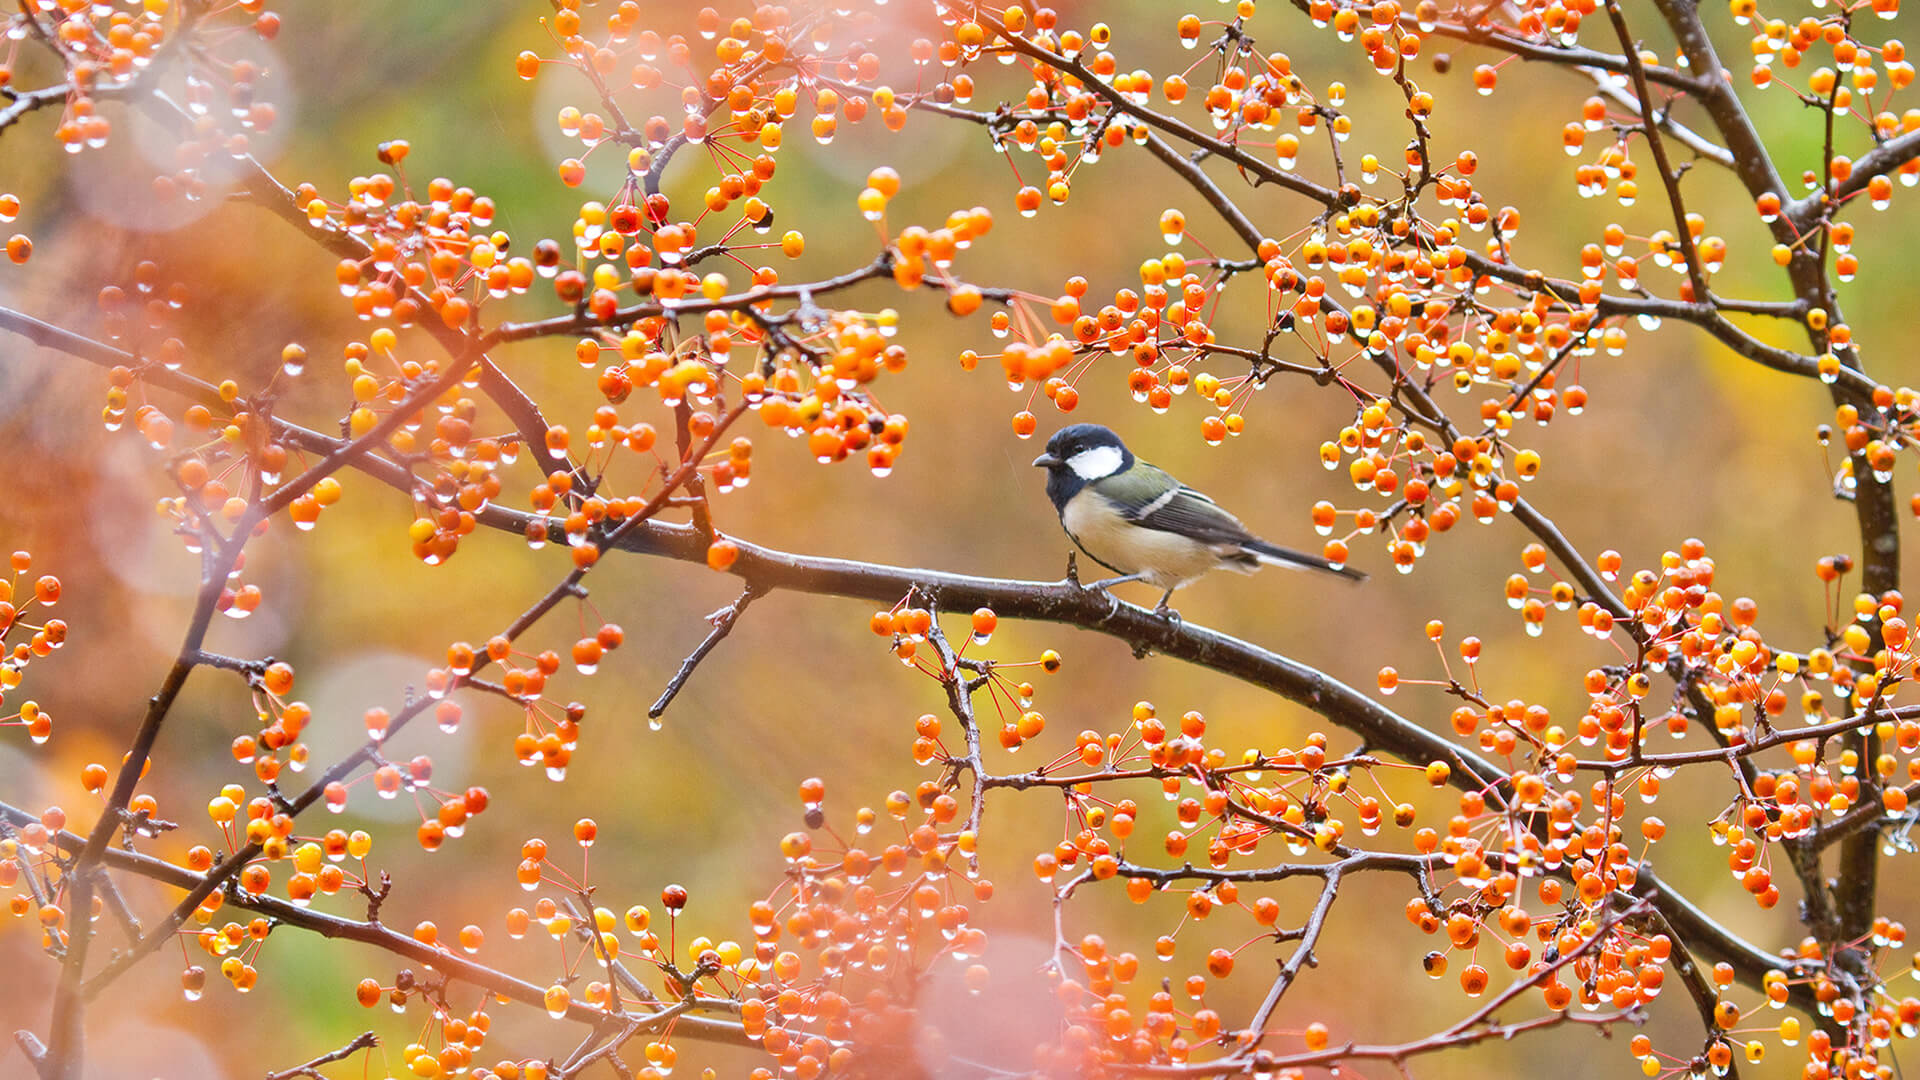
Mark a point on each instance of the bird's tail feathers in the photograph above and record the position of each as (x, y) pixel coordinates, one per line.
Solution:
(1275, 555)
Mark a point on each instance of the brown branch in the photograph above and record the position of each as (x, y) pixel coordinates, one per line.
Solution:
(1874, 512)
(1842, 726)
(1417, 866)
(1868, 813)
(194, 389)
(525, 415)
(1658, 147)
(960, 691)
(1888, 156)
(1714, 91)
(1266, 172)
(437, 957)
(1475, 1027)
(1065, 602)
(1707, 149)
(1301, 957)
(1190, 171)
(65, 1046)
(35, 1052)
(27, 101)
(722, 621)
(1393, 1053)
(1699, 984)
(1706, 315)
(1544, 52)
(881, 266)
(366, 1040)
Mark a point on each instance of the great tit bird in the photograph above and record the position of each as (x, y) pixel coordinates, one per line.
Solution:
(1143, 524)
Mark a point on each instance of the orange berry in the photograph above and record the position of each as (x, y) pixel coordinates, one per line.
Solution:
(1220, 963)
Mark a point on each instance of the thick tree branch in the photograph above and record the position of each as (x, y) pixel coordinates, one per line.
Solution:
(1879, 161)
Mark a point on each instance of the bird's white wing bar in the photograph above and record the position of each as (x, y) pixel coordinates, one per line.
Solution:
(1158, 502)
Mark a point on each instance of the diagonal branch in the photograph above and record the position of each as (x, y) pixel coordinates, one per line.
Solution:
(723, 621)
(1658, 147)
(366, 1040)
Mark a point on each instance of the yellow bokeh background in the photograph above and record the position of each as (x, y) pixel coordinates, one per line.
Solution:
(1681, 439)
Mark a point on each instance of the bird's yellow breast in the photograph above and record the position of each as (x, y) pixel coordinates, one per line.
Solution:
(1167, 560)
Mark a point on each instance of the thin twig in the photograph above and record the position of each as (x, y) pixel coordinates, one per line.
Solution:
(366, 1040)
(722, 621)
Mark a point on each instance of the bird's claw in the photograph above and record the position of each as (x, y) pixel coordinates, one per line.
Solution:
(1100, 587)
(1171, 616)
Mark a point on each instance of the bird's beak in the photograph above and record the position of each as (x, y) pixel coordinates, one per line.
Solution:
(1047, 461)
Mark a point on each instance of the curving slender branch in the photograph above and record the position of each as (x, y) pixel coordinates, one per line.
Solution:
(1657, 146)
(722, 621)
(1573, 56)
(366, 1040)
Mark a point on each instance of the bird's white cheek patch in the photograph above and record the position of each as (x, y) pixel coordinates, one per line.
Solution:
(1096, 463)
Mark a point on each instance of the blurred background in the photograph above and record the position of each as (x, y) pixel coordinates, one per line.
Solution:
(1681, 439)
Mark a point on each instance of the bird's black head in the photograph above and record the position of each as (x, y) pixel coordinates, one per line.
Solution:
(1078, 455)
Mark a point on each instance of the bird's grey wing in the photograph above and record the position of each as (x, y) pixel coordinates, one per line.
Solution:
(1157, 501)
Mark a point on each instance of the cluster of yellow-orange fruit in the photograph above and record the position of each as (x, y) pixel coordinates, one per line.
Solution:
(863, 932)
(551, 731)
(1426, 482)
(1745, 687)
(1787, 45)
(1409, 311)
(839, 949)
(1877, 435)
(21, 603)
(104, 49)
(439, 248)
(107, 47)
(29, 849)
(810, 376)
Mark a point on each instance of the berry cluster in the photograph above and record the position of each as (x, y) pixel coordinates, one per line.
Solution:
(1402, 277)
(22, 640)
